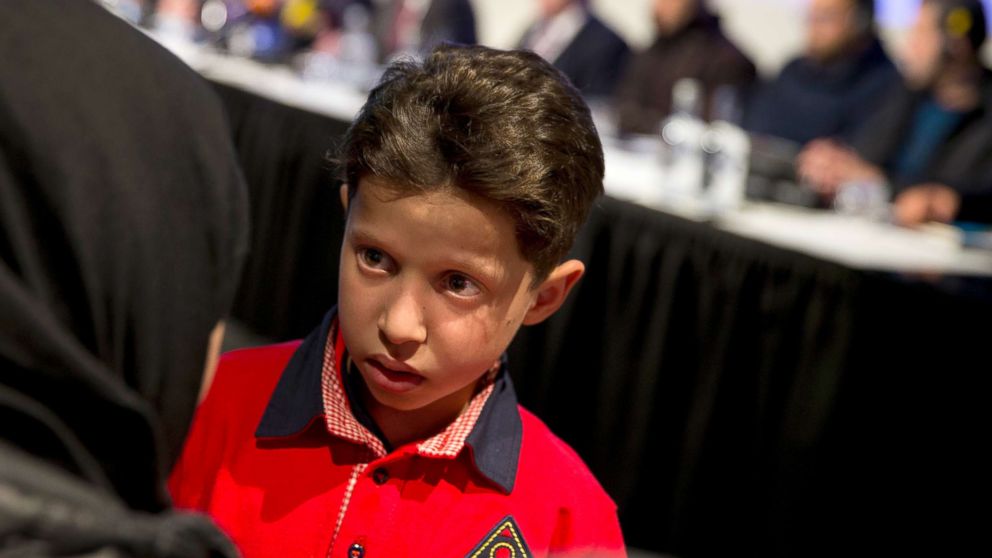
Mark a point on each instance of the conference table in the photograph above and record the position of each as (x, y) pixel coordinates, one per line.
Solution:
(771, 381)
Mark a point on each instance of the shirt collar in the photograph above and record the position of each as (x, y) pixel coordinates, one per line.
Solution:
(298, 400)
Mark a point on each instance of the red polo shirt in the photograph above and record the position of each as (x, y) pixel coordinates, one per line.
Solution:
(288, 464)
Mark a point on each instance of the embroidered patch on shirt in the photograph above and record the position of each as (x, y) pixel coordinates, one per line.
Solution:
(504, 541)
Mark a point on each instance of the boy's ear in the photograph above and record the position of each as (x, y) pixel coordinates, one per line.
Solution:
(553, 291)
(343, 192)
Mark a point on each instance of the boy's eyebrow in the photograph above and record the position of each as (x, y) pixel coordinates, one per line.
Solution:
(360, 234)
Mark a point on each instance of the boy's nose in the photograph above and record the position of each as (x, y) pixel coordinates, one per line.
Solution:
(402, 321)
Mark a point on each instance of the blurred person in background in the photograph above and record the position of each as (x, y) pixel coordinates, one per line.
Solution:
(835, 86)
(690, 44)
(936, 128)
(414, 27)
(268, 31)
(579, 44)
(337, 20)
(123, 225)
(303, 20)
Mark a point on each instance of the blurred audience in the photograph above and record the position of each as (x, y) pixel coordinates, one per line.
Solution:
(935, 128)
(569, 36)
(925, 136)
(836, 85)
(690, 44)
(275, 30)
(414, 27)
(123, 225)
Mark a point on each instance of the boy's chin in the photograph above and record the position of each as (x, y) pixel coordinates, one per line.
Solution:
(398, 403)
(390, 397)
(415, 400)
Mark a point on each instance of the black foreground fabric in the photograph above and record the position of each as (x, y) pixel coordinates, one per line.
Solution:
(734, 398)
(291, 275)
(123, 224)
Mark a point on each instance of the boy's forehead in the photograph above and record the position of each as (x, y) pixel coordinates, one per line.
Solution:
(387, 190)
(445, 221)
(443, 206)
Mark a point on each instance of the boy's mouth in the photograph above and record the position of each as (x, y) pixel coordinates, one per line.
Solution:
(391, 379)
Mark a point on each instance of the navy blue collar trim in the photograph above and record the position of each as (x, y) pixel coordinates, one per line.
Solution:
(296, 403)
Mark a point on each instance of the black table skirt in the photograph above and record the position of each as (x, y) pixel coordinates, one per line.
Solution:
(734, 398)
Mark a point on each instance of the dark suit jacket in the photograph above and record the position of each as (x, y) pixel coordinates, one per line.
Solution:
(594, 60)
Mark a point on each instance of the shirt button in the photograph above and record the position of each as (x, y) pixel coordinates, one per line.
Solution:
(356, 551)
(380, 476)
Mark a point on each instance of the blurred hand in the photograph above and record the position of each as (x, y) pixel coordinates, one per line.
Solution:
(826, 164)
(927, 202)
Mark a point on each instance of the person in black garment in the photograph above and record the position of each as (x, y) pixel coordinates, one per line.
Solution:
(831, 89)
(690, 44)
(123, 225)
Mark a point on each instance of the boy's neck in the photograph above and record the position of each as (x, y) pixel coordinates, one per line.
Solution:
(403, 427)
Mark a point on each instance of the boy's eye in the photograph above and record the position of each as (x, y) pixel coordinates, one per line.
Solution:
(374, 259)
(461, 285)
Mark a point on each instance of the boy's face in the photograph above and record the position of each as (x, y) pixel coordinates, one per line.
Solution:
(432, 290)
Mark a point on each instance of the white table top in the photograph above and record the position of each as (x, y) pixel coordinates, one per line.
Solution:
(856, 242)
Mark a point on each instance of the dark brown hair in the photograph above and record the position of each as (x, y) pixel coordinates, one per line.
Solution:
(503, 125)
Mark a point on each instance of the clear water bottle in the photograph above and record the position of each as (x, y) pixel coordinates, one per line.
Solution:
(682, 134)
(358, 45)
(728, 150)
(358, 49)
(864, 198)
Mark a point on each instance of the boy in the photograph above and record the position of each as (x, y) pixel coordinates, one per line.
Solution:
(393, 429)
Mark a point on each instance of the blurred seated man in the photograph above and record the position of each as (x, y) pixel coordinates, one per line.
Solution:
(569, 36)
(690, 44)
(835, 85)
(937, 128)
(417, 26)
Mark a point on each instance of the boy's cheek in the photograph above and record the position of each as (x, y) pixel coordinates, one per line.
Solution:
(479, 336)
